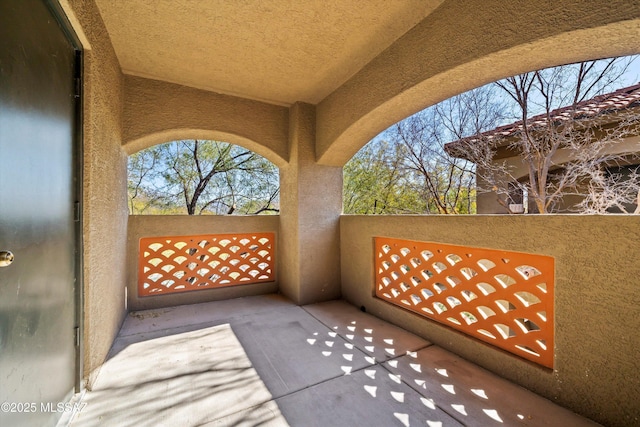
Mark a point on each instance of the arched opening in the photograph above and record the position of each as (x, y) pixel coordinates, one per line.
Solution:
(566, 138)
(201, 177)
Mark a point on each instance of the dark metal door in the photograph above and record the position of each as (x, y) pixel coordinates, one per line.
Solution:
(37, 130)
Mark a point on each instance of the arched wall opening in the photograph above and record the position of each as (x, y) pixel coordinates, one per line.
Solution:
(466, 154)
(201, 176)
(380, 96)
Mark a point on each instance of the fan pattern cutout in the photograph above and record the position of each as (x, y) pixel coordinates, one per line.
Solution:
(500, 297)
(185, 263)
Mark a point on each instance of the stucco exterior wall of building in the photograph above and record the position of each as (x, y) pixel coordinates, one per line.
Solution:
(596, 294)
(157, 112)
(435, 60)
(104, 188)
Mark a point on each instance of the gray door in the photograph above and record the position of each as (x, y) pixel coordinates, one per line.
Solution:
(37, 297)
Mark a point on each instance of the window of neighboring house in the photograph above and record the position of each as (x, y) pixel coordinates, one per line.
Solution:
(201, 177)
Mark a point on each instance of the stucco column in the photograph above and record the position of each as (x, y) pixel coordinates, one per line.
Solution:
(310, 207)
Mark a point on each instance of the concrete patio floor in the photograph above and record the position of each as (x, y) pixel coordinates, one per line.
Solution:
(263, 361)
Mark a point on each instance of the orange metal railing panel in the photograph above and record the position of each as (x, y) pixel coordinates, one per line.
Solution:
(500, 297)
(185, 263)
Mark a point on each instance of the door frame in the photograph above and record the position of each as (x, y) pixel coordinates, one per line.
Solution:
(78, 178)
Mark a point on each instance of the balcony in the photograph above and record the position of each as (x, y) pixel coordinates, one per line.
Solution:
(265, 361)
(244, 355)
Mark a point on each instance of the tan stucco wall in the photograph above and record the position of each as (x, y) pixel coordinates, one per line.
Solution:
(597, 289)
(311, 203)
(157, 112)
(185, 225)
(104, 199)
(459, 47)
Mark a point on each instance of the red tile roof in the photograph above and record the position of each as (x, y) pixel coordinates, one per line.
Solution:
(611, 102)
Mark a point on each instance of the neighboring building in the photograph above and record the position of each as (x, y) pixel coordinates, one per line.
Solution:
(609, 109)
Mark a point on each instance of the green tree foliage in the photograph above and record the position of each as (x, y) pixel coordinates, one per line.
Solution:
(201, 177)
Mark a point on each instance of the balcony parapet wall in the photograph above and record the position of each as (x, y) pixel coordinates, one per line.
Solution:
(597, 277)
(144, 226)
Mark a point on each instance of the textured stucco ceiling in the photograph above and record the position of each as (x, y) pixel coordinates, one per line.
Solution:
(278, 51)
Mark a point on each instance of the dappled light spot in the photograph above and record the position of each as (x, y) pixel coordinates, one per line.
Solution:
(329, 343)
(442, 372)
(416, 367)
(393, 363)
(351, 328)
(326, 353)
(371, 389)
(398, 396)
(459, 408)
(403, 418)
(311, 341)
(350, 336)
(349, 345)
(348, 357)
(395, 378)
(369, 348)
(346, 369)
(434, 423)
(479, 392)
(390, 351)
(370, 359)
(368, 331)
(429, 403)
(388, 341)
(413, 354)
(492, 413)
(449, 388)
(332, 334)
(371, 373)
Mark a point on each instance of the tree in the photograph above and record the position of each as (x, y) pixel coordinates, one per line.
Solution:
(376, 183)
(565, 149)
(202, 177)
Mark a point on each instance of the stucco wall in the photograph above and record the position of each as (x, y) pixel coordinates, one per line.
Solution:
(104, 187)
(183, 225)
(436, 60)
(597, 290)
(157, 112)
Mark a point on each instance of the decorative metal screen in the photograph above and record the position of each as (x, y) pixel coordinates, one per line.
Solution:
(503, 298)
(185, 263)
